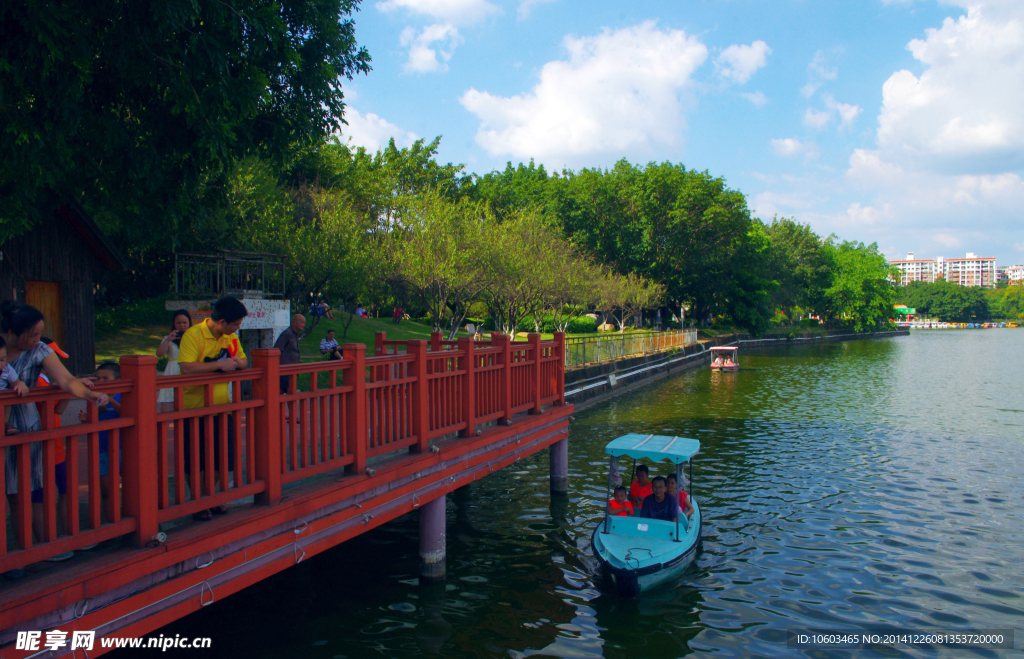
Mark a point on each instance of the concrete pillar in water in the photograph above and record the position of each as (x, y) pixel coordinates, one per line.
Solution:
(559, 462)
(432, 540)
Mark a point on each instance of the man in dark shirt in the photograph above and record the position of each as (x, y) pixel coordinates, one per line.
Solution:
(660, 505)
(288, 344)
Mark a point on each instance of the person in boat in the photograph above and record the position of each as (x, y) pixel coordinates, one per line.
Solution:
(619, 504)
(682, 498)
(640, 488)
(729, 361)
(661, 504)
(718, 360)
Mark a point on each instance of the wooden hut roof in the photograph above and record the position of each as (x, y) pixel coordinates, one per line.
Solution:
(94, 239)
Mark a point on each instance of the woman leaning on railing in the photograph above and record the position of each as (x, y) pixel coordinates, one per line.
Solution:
(22, 327)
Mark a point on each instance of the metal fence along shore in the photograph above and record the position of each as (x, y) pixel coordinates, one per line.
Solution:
(583, 351)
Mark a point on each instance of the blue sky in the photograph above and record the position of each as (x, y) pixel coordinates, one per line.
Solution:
(897, 122)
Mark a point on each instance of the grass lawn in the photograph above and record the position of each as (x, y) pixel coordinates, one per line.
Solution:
(361, 330)
(144, 339)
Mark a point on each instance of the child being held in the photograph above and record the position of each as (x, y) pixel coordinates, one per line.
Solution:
(619, 505)
(9, 379)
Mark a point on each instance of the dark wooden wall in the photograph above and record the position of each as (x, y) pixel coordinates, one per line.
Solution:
(53, 252)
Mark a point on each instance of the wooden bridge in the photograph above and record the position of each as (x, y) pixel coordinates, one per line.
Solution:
(348, 446)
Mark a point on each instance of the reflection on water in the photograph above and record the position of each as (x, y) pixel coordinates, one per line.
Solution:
(849, 485)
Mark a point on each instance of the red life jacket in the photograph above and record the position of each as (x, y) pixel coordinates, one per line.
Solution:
(624, 509)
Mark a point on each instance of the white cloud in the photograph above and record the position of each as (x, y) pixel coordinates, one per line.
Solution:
(526, 6)
(847, 113)
(794, 147)
(770, 203)
(738, 63)
(816, 119)
(865, 215)
(373, 132)
(431, 49)
(963, 114)
(460, 12)
(821, 118)
(620, 92)
(757, 98)
(818, 71)
(947, 168)
(868, 170)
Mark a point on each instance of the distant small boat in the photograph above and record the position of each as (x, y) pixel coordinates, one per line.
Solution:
(725, 358)
(639, 553)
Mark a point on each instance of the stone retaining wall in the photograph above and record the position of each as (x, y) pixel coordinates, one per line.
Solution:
(590, 385)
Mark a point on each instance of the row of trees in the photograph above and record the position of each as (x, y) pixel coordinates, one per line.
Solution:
(397, 227)
(952, 303)
(428, 250)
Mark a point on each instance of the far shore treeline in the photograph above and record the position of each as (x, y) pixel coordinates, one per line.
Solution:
(952, 303)
(201, 126)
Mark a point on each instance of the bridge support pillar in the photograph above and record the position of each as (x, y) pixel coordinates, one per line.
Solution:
(558, 459)
(432, 541)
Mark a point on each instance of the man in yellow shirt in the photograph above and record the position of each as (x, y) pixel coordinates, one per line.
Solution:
(208, 347)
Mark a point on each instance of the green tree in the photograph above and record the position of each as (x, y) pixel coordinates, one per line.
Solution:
(681, 228)
(573, 285)
(440, 256)
(799, 265)
(634, 293)
(323, 238)
(515, 189)
(516, 252)
(139, 110)
(861, 291)
(1006, 302)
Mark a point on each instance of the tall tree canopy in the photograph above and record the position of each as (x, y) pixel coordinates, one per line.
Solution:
(138, 109)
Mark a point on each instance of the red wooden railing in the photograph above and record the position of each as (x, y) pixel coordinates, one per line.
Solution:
(332, 415)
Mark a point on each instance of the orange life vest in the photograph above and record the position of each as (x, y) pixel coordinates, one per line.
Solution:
(624, 509)
(637, 491)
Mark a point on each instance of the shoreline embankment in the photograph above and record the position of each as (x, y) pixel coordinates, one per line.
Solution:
(590, 385)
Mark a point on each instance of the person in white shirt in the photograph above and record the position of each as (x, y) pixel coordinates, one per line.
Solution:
(329, 347)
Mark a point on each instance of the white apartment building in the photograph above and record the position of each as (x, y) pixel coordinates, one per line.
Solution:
(972, 270)
(913, 269)
(1015, 275)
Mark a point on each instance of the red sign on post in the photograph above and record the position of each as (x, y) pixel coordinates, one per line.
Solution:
(199, 316)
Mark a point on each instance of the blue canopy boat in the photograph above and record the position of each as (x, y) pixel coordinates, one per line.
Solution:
(637, 553)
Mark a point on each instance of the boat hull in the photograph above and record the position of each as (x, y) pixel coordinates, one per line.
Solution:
(632, 581)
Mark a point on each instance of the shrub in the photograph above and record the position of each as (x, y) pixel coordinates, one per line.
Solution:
(582, 325)
(809, 322)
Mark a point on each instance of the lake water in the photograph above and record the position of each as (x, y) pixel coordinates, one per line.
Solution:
(864, 485)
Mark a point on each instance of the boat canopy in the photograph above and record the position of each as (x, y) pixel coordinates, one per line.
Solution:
(654, 447)
(725, 348)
